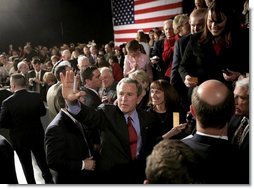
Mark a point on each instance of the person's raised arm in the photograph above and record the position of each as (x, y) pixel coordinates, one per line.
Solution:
(71, 94)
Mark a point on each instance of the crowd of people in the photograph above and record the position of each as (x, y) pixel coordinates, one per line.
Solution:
(169, 107)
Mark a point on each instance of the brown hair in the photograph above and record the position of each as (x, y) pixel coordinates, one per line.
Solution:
(219, 8)
(172, 99)
(133, 45)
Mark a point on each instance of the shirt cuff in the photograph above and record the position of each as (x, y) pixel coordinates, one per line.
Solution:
(74, 108)
(83, 165)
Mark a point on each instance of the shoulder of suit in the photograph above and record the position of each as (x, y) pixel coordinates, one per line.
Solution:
(59, 120)
(83, 88)
(146, 114)
(196, 36)
(31, 71)
(33, 94)
(184, 38)
(9, 97)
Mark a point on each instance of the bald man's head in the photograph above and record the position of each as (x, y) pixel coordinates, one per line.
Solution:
(213, 104)
(212, 92)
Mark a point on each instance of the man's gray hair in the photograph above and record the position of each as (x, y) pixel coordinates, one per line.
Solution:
(244, 83)
(129, 80)
(82, 58)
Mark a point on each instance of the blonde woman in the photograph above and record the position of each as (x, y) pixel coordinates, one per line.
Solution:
(181, 25)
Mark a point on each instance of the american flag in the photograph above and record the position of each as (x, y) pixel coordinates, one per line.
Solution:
(129, 16)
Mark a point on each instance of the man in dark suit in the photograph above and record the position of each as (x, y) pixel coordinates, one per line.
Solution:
(35, 78)
(21, 114)
(197, 21)
(239, 126)
(91, 78)
(212, 106)
(7, 173)
(4, 93)
(122, 159)
(68, 150)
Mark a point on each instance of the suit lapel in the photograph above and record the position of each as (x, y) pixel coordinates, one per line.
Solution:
(122, 131)
(143, 126)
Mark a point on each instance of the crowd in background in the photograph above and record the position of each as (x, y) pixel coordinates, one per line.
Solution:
(170, 67)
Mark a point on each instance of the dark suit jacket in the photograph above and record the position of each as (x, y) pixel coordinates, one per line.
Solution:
(91, 99)
(244, 148)
(175, 79)
(115, 155)
(21, 114)
(65, 149)
(233, 125)
(157, 51)
(7, 173)
(43, 90)
(220, 159)
(4, 93)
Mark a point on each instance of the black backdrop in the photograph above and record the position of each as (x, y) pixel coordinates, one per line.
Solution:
(52, 22)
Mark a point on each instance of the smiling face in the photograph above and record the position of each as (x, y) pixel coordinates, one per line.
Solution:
(157, 97)
(196, 24)
(215, 24)
(127, 97)
(168, 29)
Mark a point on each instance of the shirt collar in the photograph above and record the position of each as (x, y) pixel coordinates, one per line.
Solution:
(213, 136)
(133, 115)
(93, 90)
(37, 72)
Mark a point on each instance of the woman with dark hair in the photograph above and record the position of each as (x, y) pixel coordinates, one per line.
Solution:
(116, 68)
(216, 53)
(165, 103)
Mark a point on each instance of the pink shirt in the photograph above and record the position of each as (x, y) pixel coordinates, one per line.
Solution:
(142, 61)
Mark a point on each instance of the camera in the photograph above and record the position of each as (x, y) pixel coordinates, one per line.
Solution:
(191, 124)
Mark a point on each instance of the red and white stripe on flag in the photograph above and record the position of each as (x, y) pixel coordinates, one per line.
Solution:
(146, 15)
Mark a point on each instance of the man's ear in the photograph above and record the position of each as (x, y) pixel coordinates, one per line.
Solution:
(192, 111)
